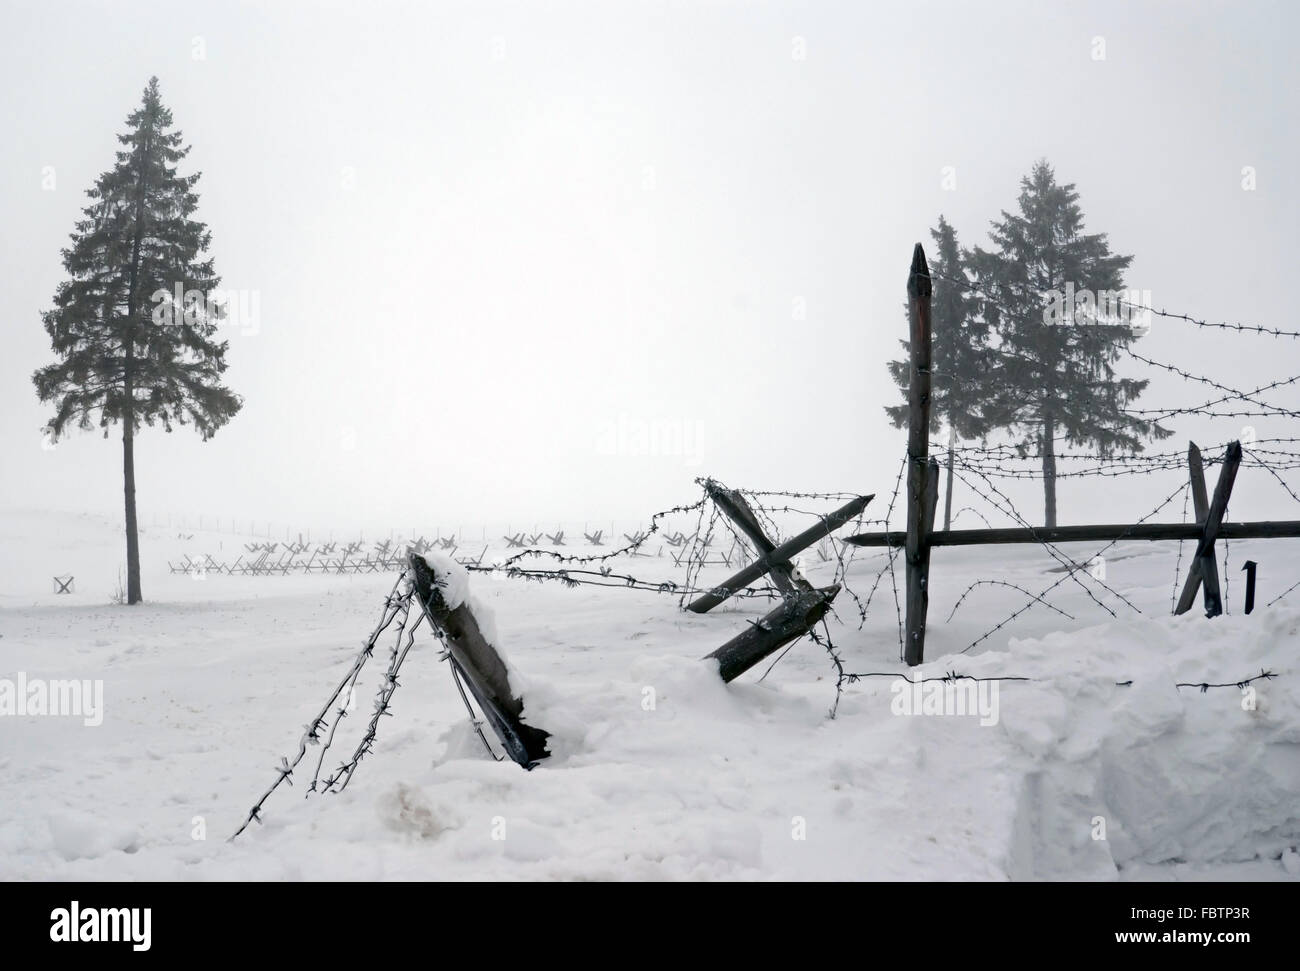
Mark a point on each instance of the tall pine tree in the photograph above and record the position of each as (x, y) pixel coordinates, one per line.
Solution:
(963, 366)
(126, 354)
(1057, 379)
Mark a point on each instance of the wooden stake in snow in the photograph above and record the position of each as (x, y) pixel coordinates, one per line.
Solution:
(922, 471)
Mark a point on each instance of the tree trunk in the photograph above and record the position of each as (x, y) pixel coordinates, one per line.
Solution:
(1049, 470)
(133, 594)
(947, 492)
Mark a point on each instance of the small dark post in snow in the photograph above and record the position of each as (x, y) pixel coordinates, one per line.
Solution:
(793, 618)
(922, 473)
(1204, 560)
(1249, 567)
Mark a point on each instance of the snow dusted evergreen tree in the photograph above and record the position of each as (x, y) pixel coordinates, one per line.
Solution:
(1056, 378)
(126, 352)
(962, 363)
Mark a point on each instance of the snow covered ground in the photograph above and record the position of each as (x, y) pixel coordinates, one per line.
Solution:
(211, 682)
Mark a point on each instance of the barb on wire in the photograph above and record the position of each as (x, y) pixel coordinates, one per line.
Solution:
(383, 704)
(1227, 577)
(949, 677)
(1283, 593)
(770, 493)
(836, 661)
(608, 578)
(1205, 686)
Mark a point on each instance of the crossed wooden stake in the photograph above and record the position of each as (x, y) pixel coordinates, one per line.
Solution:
(1204, 571)
(802, 605)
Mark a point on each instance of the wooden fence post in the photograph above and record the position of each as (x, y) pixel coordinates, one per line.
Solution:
(922, 474)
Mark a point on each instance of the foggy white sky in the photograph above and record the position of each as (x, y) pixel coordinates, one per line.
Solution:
(487, 237)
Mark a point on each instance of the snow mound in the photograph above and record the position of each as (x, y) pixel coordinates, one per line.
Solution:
(78, 835)
(1115, 774)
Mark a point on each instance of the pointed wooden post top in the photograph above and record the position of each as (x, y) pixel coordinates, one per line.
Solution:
(918, 278)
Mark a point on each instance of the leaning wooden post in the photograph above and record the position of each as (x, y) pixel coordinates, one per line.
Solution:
(479, 664)
(922, 476)
(794, 618)
(1210, 532)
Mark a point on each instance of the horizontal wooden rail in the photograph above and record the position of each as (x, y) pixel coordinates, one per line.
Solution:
(1079, 534)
